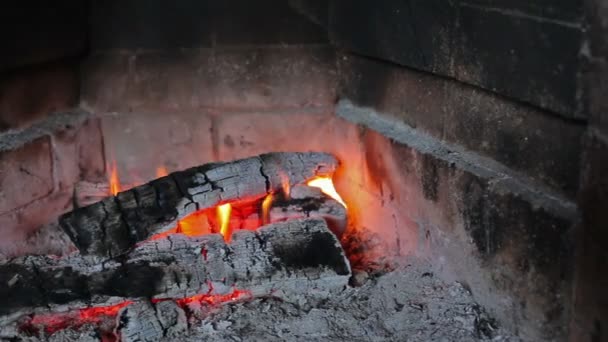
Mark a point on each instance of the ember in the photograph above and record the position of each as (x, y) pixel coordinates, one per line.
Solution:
(54, 322)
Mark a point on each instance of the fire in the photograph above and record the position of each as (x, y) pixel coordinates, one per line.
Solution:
(223, 217)
(105, 316)
(73, 320)
(285, 184)
(212, 299)
(266, 208)
(161, 171)
(114, 181)
(195, 224)
(327, 187)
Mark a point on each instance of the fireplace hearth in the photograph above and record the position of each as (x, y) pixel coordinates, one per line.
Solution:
(303, 170)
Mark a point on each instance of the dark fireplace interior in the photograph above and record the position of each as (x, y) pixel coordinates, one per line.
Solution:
(467, 139)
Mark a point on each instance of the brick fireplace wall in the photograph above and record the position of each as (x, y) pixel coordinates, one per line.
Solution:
(46, 142)
(478, 130)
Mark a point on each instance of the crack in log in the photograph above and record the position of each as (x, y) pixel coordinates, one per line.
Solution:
(103, 227)
(38, 283)
(130, 230)
(266, 179)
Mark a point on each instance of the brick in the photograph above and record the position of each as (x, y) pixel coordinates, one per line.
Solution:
(541, 146)
(545, 148)
(17, 225)
(239, 78)
(529, 52)
(141, 142)
(590, 313)
(78, 154)
(248, 134)
(26, 174)
(416, 98)
(90, 151)
(137, 24)
(30, 94)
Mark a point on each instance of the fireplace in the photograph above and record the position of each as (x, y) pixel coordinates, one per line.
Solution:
(471, 172)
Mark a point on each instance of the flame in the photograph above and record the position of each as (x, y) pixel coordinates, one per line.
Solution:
(266, 208)
(195, 224)
(327, 187)
(223, 217)
(285, 184)
(161, 171)
(114, 180)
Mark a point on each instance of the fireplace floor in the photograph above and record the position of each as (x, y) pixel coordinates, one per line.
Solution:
(406, 304)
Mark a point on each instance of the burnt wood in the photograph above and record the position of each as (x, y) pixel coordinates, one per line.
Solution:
(309, 202)
(114, 225)
(293, 256)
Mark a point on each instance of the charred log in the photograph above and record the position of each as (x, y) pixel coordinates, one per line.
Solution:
(114, 225)
(296, 255)
(309, 202)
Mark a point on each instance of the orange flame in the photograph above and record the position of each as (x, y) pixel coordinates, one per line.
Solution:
(223, 217)
(114, 180)
(161, 171)
(285, 184)
(266, 208)
(195, 224)
(327, 187)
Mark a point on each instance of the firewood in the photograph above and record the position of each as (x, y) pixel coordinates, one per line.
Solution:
(293, 256)
(310, 202)
(114, 225)
(145, 321)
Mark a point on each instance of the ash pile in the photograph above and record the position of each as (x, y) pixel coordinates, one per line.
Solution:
(154, 263)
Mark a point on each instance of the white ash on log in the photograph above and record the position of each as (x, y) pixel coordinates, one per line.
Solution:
(114, 225)
(291, 257)
(144, 321)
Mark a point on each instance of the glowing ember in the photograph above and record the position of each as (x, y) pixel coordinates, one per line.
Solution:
(327, 187)
(212, 299)
(195, 224)
(266, 209)
(161, 171)
(223, 217)
(72, 320)
(105, 316)
(114, 181)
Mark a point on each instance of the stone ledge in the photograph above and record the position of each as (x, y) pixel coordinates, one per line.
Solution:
(542, 146)
(499, 177)
(13, 139)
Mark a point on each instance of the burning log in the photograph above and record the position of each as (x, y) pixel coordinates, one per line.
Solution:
(145, 321)
(310, 202)
(291, 257)
(114, 225)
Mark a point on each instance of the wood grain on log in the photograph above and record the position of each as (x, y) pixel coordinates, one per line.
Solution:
(114, 225)
(292, 256)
